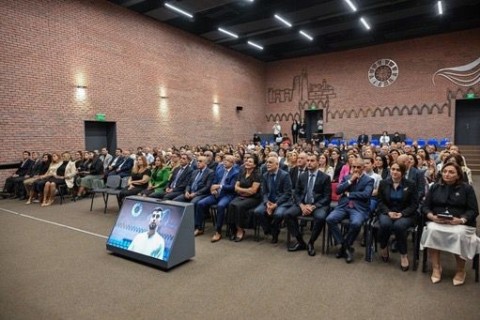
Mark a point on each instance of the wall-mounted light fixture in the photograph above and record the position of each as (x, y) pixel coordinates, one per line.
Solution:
(81, 92)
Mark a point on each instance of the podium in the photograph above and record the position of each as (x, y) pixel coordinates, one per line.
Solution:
(155, 232)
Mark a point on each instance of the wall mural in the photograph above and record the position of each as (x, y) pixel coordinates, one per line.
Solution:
(317, 96)
(465, 76)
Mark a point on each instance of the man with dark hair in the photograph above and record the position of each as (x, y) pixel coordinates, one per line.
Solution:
(178, 181)
(18, 176)
(150, 242)
(312, 198)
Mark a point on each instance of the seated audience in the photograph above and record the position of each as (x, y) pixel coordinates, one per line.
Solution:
(124, 166)
(324, 166)
(356, 191)
(381, 166)
(159, 178)
(37, 172)
(396, 211)
(93, 171)
(247, 188)
(39, 184)
(138, 180)
(311, 198)
(451, 208)
(63, 176)
(18, 177)
(336, 164)
(178, 180)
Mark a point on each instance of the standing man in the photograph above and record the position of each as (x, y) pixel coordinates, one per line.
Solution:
(312, 198)
(355, 190)
(362, 140)
(277, 193)
(295, 128)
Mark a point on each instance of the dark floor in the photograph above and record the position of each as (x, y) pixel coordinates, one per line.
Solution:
(49, 271)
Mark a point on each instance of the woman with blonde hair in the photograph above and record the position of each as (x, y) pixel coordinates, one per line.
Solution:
(138, 181)
(63, 176)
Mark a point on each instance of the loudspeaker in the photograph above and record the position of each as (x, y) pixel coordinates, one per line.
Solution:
(239, 108)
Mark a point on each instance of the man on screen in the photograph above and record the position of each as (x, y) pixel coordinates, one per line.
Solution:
(150, 242)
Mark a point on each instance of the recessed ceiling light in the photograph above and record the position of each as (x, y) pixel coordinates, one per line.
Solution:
(172, 7)
(306, 35)
(440, 7)
(253, 44)
(231, 34)
(365, 23)
(351, 5)
(285, 22)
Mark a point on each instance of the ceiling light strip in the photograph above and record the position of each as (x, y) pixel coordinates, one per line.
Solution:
(172, 7)
(253, 44)
(231, 34)
(285, 22)
(440, 7)
(365, 23)
(306, 35)
(351, 5)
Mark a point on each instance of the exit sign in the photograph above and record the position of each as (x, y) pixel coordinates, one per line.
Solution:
(470, 95)
(100, 116)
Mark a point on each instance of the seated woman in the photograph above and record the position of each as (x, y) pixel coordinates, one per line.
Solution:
(346, 169)
(64, 176)
(458, 159)
(397, 205)
(247, 187)
(323, 165)
(139, 179)
(36, 175)
(93, 171)
(381, 166)
(336, 164)
(159, 179)
(39, 185)
(451, 208)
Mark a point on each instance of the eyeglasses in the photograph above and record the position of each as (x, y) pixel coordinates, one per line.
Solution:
(357, 167)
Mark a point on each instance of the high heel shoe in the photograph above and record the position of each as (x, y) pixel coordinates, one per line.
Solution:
(387, 257)
(436, 275)
(462, 279)
(29, 201)
(238, 239)
(404, 267)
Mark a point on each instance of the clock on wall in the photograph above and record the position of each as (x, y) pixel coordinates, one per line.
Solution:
(383, 73)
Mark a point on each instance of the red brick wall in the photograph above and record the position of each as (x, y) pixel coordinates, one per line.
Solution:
(346, 73)
(125, 60)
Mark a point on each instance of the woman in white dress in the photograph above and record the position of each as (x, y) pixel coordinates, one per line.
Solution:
(451, 208)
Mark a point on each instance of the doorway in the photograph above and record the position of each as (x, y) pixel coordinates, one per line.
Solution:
(313, 123)
(99, 134)
(467, 122)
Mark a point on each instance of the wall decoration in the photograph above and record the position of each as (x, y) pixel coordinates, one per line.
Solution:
(383, 73)
(465, 76)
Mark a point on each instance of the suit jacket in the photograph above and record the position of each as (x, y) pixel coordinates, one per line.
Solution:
(322, 189)
(25, 167)
(97, 167)
(229, 184)
(294, 176)
(203, 184)
(283, 187)
(418, 177)
(362, 139)
(106, 160)
(183, 179)
(359, 193)
(116, 162)
(125, 166)
(409, 203)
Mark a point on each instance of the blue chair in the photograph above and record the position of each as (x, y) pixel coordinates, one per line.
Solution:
(443, 142)
(408, 141)
(433, 142)
(375, 142)
(352, 142)
(421, 143)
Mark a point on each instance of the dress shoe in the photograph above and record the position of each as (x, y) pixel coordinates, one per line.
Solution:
(297, 246)
(197, 232)
(340, 254)
(310, 249)
(459, 278)
(240, 238)
(436, 275)
(216, 237)
(348, 255)
(274, 238)
(404, 265)
(385, 255)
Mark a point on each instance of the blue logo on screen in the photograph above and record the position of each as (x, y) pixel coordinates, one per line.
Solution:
(137, 209)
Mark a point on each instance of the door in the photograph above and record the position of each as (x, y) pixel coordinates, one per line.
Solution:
(99, 134)
(467, 122)
(311, 123)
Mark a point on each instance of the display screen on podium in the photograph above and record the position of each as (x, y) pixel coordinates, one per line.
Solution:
(148, 230)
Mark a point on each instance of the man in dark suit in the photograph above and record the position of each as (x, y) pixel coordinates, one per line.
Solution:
(300, 168)
(117, 160)
(18, 176)
(362, 140)
(178, 181)
(124, 166)
(312, 198)
(355, 190)
(277, 193)
(199, 184)
(222, 193)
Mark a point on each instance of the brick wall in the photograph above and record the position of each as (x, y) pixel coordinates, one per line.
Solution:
(346, 74)
(126, 61)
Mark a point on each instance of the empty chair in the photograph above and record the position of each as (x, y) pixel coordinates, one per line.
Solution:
(421, 143)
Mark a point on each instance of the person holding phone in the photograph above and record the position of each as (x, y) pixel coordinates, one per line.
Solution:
(451, 209)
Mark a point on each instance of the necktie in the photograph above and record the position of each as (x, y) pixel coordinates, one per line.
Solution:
(179, 173)
(195, 182)
(300, 171)
(309, 195)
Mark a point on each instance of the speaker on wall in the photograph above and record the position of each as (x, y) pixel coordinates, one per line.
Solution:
(239, 108)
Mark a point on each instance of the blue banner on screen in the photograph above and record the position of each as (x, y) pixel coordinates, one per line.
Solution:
(147, 228)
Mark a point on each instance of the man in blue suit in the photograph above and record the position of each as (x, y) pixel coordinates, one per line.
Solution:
(222, 193)
(354, 204)
(277, 194)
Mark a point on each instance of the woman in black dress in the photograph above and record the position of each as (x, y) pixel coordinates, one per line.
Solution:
(139, 179)
(247, 187)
